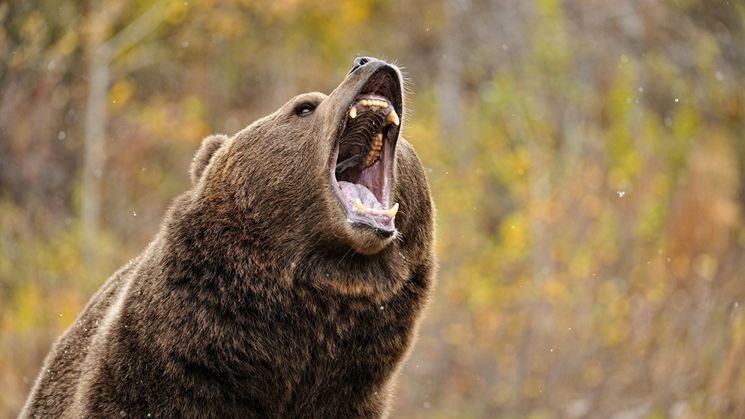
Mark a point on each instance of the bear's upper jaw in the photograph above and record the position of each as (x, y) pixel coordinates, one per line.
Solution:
(363, 158)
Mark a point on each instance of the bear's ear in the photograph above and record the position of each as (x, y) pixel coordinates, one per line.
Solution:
(203, 156)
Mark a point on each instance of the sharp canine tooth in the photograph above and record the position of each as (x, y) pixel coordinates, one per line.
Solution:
(393, 210)
(353, 112)
(359, 207)
(393, 118)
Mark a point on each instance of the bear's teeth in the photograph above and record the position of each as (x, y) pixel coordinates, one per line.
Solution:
(353, 112)
(375, 148)
(393, 210)
(359, 207)
(374, 103)
(378, 141)
(392, 118)
(370, 159)
(362, 209)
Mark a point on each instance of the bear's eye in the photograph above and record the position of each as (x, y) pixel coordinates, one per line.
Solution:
(305, 109)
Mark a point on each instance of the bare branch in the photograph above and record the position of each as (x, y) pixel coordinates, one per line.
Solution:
(136, 31)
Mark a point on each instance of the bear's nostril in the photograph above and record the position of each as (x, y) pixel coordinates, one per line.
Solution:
(359, 62)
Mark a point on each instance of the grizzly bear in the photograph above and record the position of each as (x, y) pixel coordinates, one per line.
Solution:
(287, 282)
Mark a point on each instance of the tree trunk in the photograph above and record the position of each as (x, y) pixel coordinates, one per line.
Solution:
(94, 153)
(450, 75)
(99, 73)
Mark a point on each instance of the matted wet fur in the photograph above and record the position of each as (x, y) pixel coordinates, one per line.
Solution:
(257, 298)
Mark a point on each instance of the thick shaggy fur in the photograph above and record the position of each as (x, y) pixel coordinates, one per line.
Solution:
(256, 298)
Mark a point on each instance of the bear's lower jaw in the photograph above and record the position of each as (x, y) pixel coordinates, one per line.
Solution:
(365, 195)
(370, 241)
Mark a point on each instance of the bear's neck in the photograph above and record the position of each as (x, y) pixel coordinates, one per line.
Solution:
(244, 253)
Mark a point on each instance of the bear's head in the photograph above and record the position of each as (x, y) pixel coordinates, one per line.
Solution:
(325, 169)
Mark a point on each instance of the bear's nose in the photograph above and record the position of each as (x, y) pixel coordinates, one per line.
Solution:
(359, 62)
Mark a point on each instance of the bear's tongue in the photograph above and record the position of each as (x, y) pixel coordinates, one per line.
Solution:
(354, 191)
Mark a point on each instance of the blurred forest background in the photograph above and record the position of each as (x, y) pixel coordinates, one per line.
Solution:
(587, 158)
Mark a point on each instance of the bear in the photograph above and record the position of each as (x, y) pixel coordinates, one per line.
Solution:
(287, 282)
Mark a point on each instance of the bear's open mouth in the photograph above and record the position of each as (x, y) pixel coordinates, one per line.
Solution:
(362, 164)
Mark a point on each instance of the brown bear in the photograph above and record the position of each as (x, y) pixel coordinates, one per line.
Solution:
(287, 282)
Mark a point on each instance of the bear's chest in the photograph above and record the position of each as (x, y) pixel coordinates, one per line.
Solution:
(345, 352)
(347, 336)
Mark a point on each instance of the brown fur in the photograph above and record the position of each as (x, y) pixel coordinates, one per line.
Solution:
(256, 298)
